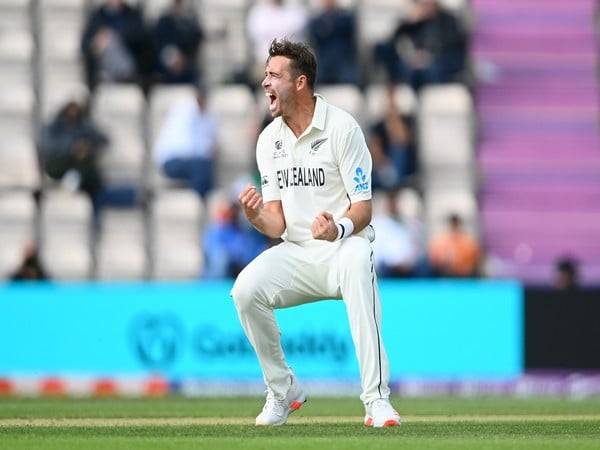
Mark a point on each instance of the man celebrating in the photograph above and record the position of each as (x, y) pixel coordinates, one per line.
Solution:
(316, 194)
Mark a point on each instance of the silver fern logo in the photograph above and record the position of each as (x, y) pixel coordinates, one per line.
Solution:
(314, 145)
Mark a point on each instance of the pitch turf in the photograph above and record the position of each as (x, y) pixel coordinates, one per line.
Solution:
(177, 423)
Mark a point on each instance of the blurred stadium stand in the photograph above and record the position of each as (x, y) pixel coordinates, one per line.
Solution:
(176, 218)
(66, 234)
(122, 244)
(537, 146)
(17, 228)
(119, 109)
(162, 99)
(539, 149)
(234, 109)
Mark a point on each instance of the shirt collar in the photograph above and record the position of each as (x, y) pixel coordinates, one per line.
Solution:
(320, 113)
(318, 120)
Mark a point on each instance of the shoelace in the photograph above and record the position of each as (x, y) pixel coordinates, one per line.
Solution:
(272, 403)
(268, 404)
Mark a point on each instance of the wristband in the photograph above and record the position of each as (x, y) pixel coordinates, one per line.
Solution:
(345, 228)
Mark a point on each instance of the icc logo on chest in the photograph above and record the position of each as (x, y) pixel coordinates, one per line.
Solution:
(279, 151)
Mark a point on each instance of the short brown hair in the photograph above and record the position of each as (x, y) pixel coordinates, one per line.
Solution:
(302, 58)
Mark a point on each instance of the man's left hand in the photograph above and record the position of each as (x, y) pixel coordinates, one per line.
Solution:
(324, 227)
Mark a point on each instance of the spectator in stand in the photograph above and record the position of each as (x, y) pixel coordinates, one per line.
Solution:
(177, 37)
(397, 253)
(116, 45)
(187, 142)
(229, 243)
(566, 274)
(333, 35)
(269, 19)
(454, 253)
(429, 46)
(391, 146)
(70, 147)
(31, 268)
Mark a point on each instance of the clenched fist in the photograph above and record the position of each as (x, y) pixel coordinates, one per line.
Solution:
(251, 202)
(324, 228)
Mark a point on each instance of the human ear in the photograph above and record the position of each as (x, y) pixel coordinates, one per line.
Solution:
(301, 82)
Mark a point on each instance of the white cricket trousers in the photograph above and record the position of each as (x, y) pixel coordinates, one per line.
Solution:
(290, 274)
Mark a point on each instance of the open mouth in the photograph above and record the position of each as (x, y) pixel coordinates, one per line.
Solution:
(271, 98)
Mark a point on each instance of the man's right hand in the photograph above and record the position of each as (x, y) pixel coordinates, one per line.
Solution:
(251, 202)
(101, 40)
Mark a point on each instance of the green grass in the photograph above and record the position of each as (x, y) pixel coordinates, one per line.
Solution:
(177, 423)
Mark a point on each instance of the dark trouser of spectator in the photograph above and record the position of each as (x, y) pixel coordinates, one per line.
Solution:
(90, 182)
(188, 75)
(441, 70)
(87, 168)
(142, 74)
(332, 71)
(392, 176)
(196, 172)
(116, 196)
(420, 269)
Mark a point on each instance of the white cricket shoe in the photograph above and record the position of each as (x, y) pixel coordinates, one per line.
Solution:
(275, 412)
(380, 413)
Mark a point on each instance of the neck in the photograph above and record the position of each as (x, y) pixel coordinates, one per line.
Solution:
(302, 115)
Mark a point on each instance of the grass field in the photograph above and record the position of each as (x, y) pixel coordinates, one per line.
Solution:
(211, 423)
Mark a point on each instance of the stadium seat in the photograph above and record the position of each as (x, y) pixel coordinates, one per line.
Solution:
(454, 5)
(57, 91)
(462, 10)
(123, 162)
(410, 204)
(99, 2)
(60, 65)
(377, 19)
(123, 100)
(446, 128)
(16, 101)
(16, 44)
(176, 227)
(118, 111)
(163, 98)
(226, 48)
(17, 215)
(121, 245)
(440, 203)
(68, 22)
(406, 101)
(67, 4)
(66, 230)
(17, 4)
(18, 160)
(446, 152)
(154, 8)
(16, 53)
(316, 5)
(14, 14)
(345, 96)
(234, 108)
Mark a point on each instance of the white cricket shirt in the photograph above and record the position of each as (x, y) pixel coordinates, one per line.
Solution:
(326, 169)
